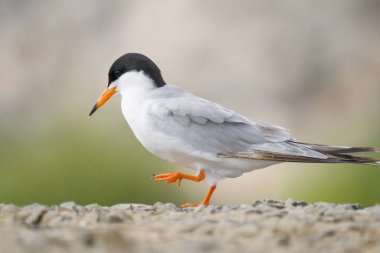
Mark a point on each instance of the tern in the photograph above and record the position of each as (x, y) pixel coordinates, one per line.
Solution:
(193, 132)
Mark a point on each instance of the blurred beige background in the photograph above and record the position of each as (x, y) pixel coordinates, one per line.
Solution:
(310, 66)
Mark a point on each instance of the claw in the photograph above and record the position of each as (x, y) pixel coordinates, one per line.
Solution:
(168, 177)
(176, 176)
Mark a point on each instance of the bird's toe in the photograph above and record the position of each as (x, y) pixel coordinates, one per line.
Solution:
(168, 177)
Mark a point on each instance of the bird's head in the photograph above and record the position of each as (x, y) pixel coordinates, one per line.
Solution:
(118, 75)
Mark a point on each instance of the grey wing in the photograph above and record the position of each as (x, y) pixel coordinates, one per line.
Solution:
(208, 126)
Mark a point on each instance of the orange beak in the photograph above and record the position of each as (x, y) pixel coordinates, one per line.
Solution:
(107, 94)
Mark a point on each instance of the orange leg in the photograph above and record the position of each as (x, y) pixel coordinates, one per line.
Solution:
(173, 177)
(206, 200)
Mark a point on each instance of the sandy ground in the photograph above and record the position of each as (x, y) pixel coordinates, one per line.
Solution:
(265, 226)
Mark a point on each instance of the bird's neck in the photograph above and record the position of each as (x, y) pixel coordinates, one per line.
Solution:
(135, 84)
(135, 89)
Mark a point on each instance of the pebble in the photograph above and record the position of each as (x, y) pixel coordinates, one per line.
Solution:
(265, 226)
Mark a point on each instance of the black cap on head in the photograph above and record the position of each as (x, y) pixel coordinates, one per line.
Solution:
(135, 62)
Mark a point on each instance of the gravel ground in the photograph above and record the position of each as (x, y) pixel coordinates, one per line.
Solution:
(265, 226)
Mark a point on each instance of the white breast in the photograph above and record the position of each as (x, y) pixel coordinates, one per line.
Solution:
(136, 89)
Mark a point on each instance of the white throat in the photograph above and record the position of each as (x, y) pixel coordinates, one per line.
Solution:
(135, 89)
(134, 84)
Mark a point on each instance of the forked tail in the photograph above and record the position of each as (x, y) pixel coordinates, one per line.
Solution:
(291, 151)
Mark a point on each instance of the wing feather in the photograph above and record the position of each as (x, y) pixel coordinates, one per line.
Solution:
(209, 126)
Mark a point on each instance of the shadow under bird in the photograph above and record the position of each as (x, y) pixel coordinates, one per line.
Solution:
(202, 135)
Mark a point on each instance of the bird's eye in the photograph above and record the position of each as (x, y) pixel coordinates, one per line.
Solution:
(117, 74)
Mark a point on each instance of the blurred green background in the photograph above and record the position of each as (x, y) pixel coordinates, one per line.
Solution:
(310, 66)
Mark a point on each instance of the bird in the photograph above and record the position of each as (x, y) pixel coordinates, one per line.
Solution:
(214, 141)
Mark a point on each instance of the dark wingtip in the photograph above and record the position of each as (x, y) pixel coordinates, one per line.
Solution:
(93, 110)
